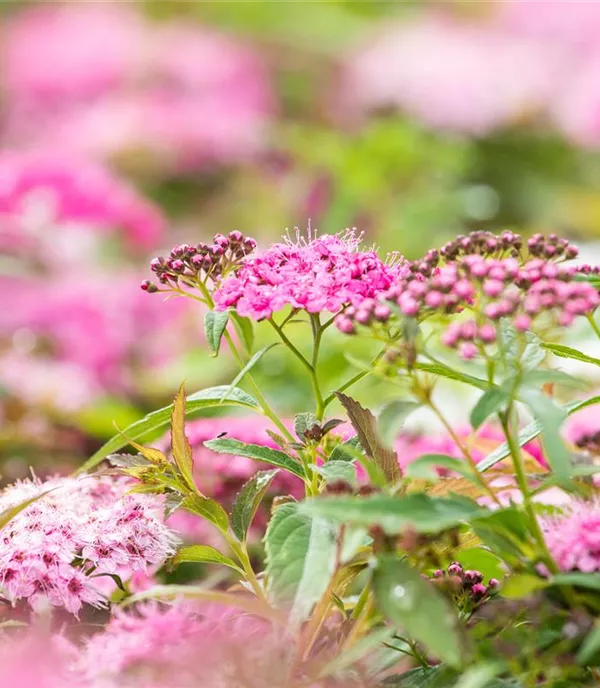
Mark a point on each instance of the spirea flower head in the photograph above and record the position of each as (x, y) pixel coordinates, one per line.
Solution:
(77, 528)
(573, 537)
(312, 273)
(492, 277)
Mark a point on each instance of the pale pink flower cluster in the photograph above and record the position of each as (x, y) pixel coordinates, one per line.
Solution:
(477, 72)
(54, 551)
(315, 274)
(573, 536)
(181, 94)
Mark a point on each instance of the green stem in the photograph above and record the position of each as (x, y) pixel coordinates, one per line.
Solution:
(239, 549)
(478, 477)
(517, 459)
(309, 367)
(353, 380)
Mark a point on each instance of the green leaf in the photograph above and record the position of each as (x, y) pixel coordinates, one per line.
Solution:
(591, 581)
(208, 509)
(480, 675)
(551, 418)
(424, 467)
(391, 419)
(422, 677)
(505, 531)
(248, 500)
(480, 559)
(530, 432)
(207, 398)
(444, 371)
(537, 378)
(245, 330)
(181, 448)
(203, 554)
(337, 470)
(303, 423)
(419, 511)
(365, 425)
(492, 400)
(300, 556)
(417, 609)
(246, 369)
(518, 586)
(215, 323)
(345, 451)
(511, 343)
(590, 646)
(567, 352)
(228, 445)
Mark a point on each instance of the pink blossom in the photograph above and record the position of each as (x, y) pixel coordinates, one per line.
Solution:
(39, 191)
(315, 274)
(452, 74)
(573, 536)
(53, 551)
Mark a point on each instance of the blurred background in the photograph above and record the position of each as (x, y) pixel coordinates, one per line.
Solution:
(127, 127)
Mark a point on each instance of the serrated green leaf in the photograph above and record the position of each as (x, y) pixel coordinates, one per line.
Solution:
(245, 330)
(412, 604)
(445, 371)
(419, 511)
(530, 432)
(248, 500)
(246, 369)
(337, 470)
(492, 400)
(228, 445)
(568, 352)
(203, 554)
(206, 398)
(300, 556)
(208, 509)
(391, 419)
(345, 451)
(215, 323)
(304, 422)
(424, 467)
(363, 421)
(180, 446)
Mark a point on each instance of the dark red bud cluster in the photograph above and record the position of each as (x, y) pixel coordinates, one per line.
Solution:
(467, 583)
(200, 261)
(482, 243)
(551, 247)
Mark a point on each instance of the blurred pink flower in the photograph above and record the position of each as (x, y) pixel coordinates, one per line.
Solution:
(183, 94)
(453, 75)
(45, 195)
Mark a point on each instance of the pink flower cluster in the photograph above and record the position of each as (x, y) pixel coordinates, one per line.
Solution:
(489, 69)
(181, 94)
(573, 536)
(492, 288)
(315, 274)
(77, 529)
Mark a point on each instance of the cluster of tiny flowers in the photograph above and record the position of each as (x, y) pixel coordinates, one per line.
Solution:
(55, 550)
(490, 282)
(573, 537)
(465, 585)
(200, 262)
(313, 273)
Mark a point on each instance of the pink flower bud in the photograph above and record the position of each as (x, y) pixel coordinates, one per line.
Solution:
(434, 299)
(487, 334)
(408, 305)
(493, 288)
(381, 312)
(344, 324)
(522, 322)
(463, 289)
(468, 350)
(479, 591)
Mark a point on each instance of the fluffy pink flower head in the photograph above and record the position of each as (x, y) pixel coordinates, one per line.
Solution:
(41, 191)
(76, 529)
(573, 537)
(313, 273)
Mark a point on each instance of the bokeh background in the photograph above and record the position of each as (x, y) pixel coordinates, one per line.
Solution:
(127, 127)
